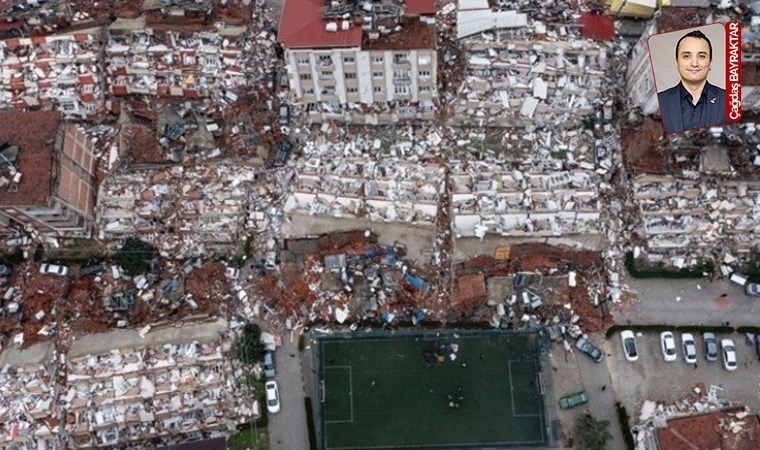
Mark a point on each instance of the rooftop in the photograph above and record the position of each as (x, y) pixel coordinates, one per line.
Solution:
(413, 34)
(34, 133)
(420, 7)
(302, 26)
(718, 430)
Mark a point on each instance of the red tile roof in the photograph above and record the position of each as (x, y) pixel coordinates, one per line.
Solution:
(34, 133)
(420, 7)
(302, 26)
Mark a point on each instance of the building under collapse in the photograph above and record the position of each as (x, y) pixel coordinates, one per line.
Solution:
(380, 54)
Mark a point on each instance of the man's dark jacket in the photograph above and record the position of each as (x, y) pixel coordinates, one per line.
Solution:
(670, 107)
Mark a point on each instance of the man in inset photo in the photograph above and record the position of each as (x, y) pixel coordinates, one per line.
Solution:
(693, 102)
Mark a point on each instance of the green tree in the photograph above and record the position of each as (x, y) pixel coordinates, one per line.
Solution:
(248, 347)
(753, 269)
(593, 434)
(134, 255)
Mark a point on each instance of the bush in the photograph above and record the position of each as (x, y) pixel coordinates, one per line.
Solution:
(134, 255)
(12, 259)
(703, 268)
(248, 347)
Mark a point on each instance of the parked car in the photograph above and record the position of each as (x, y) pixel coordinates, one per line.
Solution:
(729, 354)
(270, 366)
(273, 397)
(668, 344)
(284, 115)
(752, 289)
(54, 269)
(689, 348)
(629, 345)
(573, 400)
(283, 153)
(757, 345)
(232, 273)
(711, 346)
(5, 270)
(590, 349)
(92, 269)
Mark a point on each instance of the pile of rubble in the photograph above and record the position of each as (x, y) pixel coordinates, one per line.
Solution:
(28, 408)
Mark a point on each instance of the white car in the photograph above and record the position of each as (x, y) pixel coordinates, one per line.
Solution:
(629, 345)
(689, 348)
(54, 269)
(232, 273)
(273, 397)
(729, 354)
(668, 344)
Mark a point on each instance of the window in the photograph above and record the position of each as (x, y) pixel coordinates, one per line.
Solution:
(401, 89)
(400, 58)
(377, 89)
(328, 91)
(309, 91)
(377, 74)
(325, 60)
(326, 74)
(302, 60)
(424, 88)
(304, 76)
(348, 59)
(424, 73)
(352, 90)
(377, 60)
(400, 74)
(350, 75)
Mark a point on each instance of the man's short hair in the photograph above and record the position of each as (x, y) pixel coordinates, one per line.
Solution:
(695, 34)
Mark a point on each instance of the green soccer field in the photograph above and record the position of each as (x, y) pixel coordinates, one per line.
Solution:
(406, 391)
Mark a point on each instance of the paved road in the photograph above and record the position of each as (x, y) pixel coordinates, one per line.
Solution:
(601, 403)
(288, 429)
(688, 302)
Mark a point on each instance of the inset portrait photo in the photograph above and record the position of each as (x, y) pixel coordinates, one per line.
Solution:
(690, 77)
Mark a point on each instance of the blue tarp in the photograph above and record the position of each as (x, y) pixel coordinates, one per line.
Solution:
(417, 282)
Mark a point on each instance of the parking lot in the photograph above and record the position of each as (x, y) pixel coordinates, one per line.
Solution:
(652, 378)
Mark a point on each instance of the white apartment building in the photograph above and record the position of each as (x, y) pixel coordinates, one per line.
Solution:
(384, 52)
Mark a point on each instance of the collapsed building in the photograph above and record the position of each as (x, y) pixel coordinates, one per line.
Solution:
(362, 62)
(47, 174)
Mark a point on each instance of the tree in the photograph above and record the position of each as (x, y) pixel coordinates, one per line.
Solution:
(593, 434)
(753, 269)
(248, 347)
(134, 255)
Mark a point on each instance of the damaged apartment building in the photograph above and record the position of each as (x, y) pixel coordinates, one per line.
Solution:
(496, 201)
(522, 71)
(170, 63)
(60, 71)
(178, 208)
(331, 195)
(356, 61)
(47, 174)
(706, 200)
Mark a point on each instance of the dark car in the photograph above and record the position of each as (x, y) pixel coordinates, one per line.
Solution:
(757, 345)
(284, 115)
(590, 349)
(711, 346)
(5, 270)
(283, 153)
(573, 400)
(270, 366)
(92, 269)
